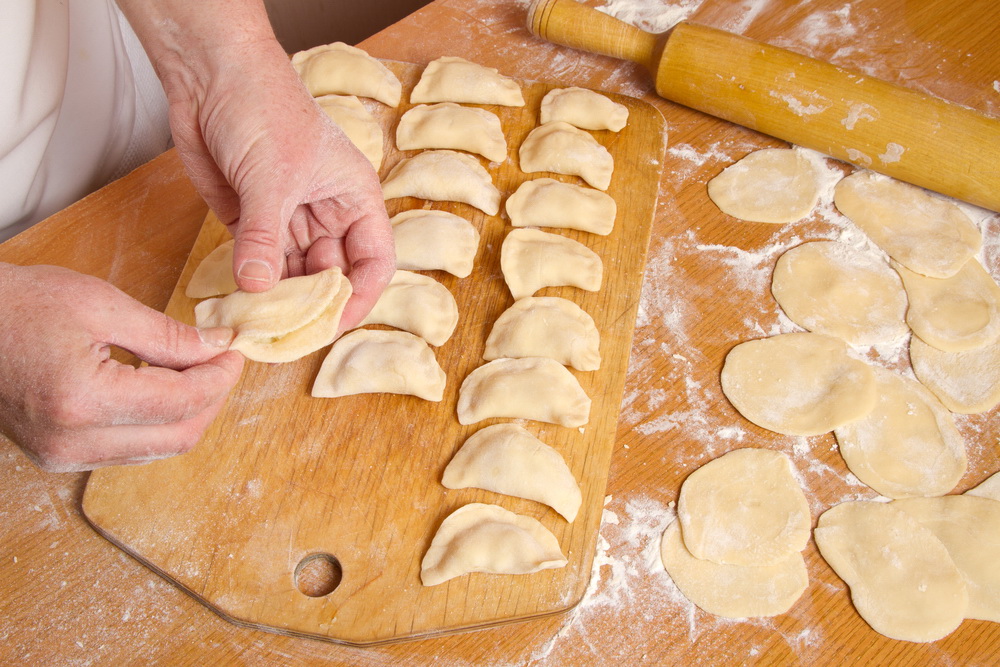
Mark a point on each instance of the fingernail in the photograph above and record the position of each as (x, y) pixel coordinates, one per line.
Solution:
(256, 270)
(217, 336)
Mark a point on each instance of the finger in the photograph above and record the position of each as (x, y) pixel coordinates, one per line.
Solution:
(259, 251)
(325, 253)
(368, 280)
(372, 254)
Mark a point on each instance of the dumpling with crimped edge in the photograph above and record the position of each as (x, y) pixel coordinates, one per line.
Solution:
(487, 538)
(546, 326)
(367, 361)
(546, 202)
(507, 459)
(341, 69)
(358, 124)
(560, 148)
(531, 259)
(443, 175)
(214, 275)
(292, 319)
(418, 304)
(428, 240)
(448, 125)
(531, 388)
(583, 108)
(452, 79)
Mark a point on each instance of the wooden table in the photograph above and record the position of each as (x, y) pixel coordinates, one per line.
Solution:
(69, 597)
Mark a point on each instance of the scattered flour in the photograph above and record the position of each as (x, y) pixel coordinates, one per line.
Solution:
(650, 15)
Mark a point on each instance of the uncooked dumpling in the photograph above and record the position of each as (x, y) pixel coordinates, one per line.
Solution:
(358, 124)
(832, 288)
(507, 459)
(563, 149)
(744, 508)
(214, 275)
(531, 259)
(733, 591)
(546, 326)
(448, 125)
(903, 581)
(924, 233)
(532, 388)
(418, 304)
(488, 538)
(546, 202)
(292, 319)
(451, 79)
(966, 382)
(443, 176)
(583, 108)
(775, 185)
(907, 445)
(428, 240)
(341, 69)
(367, 361)
(798, 383)
(954, 314)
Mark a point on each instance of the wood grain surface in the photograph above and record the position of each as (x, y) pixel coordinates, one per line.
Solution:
(71, 597)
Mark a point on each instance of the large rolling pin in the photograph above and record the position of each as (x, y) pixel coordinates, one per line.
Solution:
(896, 131)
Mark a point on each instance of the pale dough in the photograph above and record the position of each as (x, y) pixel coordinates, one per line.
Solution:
(733, 591)
(744, 508)
(908, 445)
(925, 234)
(775, 185)
(832, 288)
(798, 383)
(341, 69)
(452, 79)
(563, 149)
(448, 125)
(358, 124)
(966, 382)
(507, 459)
(583, 108)
(988, 488)
(532, 259)
(214, 275)
(488, 538)
(546, 326)
(443, 175)
(546, 202)
(418, 304)
(428, 240)
(903, 582)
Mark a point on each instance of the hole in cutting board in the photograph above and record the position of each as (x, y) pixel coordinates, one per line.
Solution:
(318, 574)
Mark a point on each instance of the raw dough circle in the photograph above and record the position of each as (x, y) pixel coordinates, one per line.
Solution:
(966, 382)
(776, 185)
(798, 383)
(744, 508)
(835, 289)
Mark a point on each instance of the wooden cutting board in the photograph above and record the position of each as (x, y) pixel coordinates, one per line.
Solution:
(281, 477)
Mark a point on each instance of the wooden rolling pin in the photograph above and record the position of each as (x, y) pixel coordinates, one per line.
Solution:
(890, 129)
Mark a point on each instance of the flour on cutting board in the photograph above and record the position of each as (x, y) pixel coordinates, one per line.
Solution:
(650, 15)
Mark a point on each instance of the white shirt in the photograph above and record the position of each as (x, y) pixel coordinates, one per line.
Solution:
(81, 105)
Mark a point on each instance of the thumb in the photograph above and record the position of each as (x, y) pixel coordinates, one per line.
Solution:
(258, 254)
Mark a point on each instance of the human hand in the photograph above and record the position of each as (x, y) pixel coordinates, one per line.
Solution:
(71, 407)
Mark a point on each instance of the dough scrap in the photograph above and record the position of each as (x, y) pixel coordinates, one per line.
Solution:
(834, 289)
(507, 459)
(744, 508)
(214, 275)
(532, 388)
(988, 488)
(452, 79)
(775, 185)
(925, 234)
(903, 582)
(531, 259)
(954, 314)
(418, 304)
(546, 202)
(583, 108)
(908, 445)
(368, 361)
(966, 382)
(969, 528)
(358, 124)
(443, 175)
(733, 591)
(448, 125)
(428, 240)
(798, 383)
(292, 319)
(487, 538)
(341, 69)
(563, 149)
(546, 326)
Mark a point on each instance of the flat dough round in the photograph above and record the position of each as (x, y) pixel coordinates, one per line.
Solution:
(744, 508)
(798, 383)
(775, 185)
(214, 275)
(903, 581)
(835, 289)
(733, 591)
(966, 382)
(988, 488)
(908, 445)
